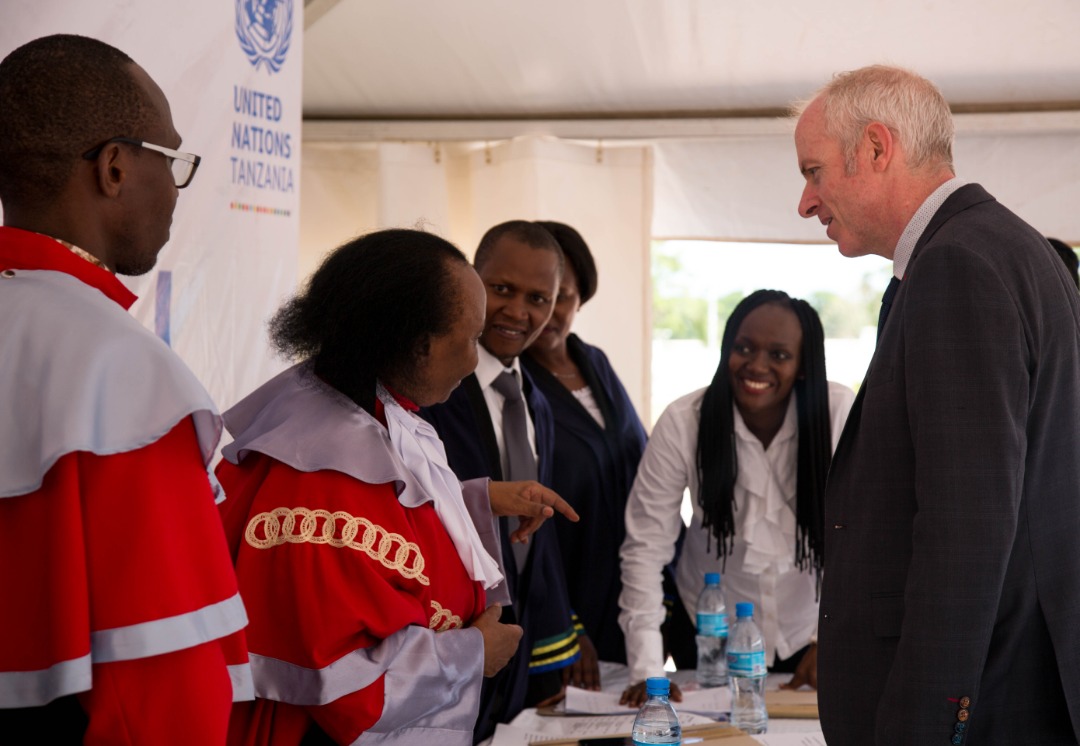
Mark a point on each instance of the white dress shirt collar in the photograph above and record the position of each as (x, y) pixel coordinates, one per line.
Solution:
(488, 367)
(788, 429)
(917, 225)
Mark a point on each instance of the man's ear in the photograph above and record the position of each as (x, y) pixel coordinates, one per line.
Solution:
(882, 146)
(110, 169)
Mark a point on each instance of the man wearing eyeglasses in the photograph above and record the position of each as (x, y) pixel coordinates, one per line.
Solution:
(121, 620)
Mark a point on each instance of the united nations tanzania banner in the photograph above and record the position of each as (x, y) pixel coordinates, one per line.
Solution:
(231, 70)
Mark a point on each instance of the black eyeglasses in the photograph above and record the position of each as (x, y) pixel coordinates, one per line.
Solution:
(182, 165)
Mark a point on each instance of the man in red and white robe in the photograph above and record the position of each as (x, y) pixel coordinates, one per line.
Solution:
(122, 622)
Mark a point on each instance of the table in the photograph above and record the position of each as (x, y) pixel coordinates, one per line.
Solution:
(533, 727)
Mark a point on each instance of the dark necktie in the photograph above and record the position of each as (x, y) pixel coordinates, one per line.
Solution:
(886, 303)
(519, 453)
(521, 463)
(856, 409)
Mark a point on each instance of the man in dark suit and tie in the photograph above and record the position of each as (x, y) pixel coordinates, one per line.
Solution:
(950, 608)
(497, 424)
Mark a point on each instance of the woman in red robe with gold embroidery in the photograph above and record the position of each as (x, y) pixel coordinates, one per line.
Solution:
(363, 562)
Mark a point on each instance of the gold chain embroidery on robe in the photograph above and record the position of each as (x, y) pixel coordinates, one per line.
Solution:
(279, 526)
(443, 619)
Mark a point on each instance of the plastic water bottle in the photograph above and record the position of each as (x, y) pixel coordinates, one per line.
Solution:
(746, 666)
(656, 721)
(712, 634)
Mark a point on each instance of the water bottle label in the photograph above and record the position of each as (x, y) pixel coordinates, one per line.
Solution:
(747, 664)
(712, 625)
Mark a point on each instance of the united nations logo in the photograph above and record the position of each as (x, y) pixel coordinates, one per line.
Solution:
(264, 29)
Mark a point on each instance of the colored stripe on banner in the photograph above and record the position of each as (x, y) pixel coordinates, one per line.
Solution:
(163, 306)
(259, 209)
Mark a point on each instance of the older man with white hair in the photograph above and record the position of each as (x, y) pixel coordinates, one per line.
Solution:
(951, 590)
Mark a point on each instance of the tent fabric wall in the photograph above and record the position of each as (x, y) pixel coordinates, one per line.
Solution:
(459, 190)
(747, 187)
(741, 188)
(338, 198)
(1037, 176)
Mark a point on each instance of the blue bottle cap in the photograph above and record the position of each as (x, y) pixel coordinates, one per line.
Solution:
(712, 578)
(655, 685)
(744, 608)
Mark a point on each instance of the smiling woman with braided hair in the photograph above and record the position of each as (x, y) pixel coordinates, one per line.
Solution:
(754, 450)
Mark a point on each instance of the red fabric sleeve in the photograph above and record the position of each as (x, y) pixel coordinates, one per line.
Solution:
(113, 541)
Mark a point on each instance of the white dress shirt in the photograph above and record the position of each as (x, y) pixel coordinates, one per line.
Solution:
(905, 247)
(761, 568)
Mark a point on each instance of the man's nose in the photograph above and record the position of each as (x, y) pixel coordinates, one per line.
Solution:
(808, 205)
(515, 307)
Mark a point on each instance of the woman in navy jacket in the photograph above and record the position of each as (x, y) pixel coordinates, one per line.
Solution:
(599, 440)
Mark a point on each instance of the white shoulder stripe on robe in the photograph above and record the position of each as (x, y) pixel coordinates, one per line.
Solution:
(161, 636)
(83, 375)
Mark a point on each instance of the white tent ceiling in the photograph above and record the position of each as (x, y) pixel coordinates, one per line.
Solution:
(489, 59)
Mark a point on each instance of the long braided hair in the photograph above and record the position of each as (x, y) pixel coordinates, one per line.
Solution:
(717, 461)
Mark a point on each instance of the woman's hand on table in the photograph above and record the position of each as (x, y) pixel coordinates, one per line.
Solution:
(806, 671)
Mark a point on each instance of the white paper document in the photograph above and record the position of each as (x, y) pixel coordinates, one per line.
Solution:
(714, 702)
(511, 735)
(528, 727)
(791, 739)
(537, 730)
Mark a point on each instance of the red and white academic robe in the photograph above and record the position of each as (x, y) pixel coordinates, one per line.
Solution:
(359, 604)
(118, 579)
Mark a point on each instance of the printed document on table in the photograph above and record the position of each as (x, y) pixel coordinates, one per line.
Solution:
(712, 702)
(790, 739)
(528, 727)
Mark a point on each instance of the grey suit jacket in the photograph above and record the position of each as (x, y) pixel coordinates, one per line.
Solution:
(950, 609)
